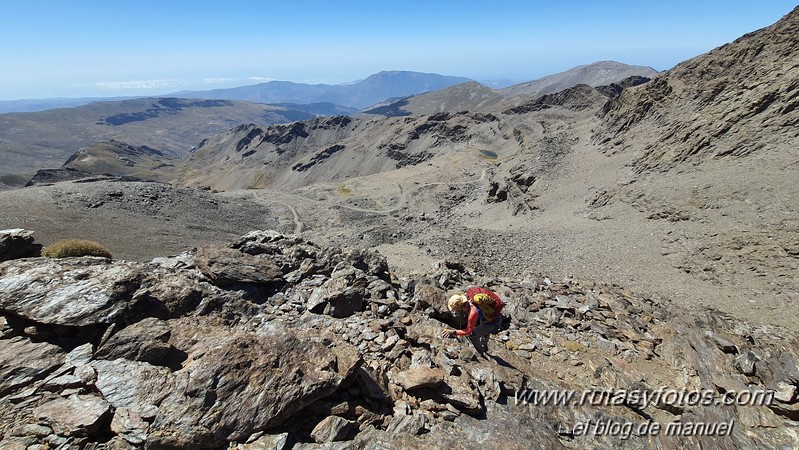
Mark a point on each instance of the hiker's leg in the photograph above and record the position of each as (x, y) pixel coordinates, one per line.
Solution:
(480, 336)
(484, 329)
(479, 343)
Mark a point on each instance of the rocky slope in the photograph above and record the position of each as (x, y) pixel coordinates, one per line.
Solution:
(112, 158)
(733, 101)
(275, 342)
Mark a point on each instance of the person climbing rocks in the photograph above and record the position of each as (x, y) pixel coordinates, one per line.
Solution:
(484, 309)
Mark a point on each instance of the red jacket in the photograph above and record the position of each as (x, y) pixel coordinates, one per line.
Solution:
(474, 314)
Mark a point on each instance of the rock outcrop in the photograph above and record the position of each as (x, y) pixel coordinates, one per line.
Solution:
(732, 101)
(328, 350)
(18, 243)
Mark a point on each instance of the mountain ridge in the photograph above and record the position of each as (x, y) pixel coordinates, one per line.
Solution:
(373, 89)
(473, 96)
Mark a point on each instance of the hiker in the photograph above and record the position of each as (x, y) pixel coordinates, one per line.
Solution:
(484, 311)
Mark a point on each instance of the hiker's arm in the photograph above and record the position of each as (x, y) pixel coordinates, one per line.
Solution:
(470, 324)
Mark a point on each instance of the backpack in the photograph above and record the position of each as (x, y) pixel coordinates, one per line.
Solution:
(488, 303)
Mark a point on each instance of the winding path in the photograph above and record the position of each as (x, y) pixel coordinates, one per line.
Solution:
(401, 201)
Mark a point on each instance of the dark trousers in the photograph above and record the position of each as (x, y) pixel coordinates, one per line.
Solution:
(481, 333)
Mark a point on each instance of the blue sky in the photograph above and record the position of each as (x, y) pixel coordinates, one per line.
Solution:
(61, 48)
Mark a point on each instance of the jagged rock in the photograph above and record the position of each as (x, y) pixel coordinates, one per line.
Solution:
(68, 291)
(419, 377)
(267, 442)
(336, 298)
(296, 372)
(427, 295)
(23, 361)
(18, 243)
(132, 424)
(407, 424)
(332, 428)
(182, 261)
(226, 266)
(80, 355)
(189, 366)
(725, 345)
(146, 340)
(785, 392)
(745, 363)
(78, 415)
(372, 385)
(131, 384)
(63, 382)
(460, 393)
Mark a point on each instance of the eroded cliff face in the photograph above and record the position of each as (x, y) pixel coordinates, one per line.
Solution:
(275, 342)
(733, 101)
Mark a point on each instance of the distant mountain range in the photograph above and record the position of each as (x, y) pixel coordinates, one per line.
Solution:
(171, 125)
(360, 94)
(472, 96)
(374, 89)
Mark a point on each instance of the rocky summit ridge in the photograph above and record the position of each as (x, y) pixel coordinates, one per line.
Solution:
(272, 341)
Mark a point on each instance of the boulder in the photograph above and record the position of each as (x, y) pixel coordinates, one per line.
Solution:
(23, 361)
(68, 291)
(78, 415)
(231, 384)
(226, 266)
(419, 377)
(18, 243)
(333, 428)
(132, 424)
(146, 340)
(337, 298)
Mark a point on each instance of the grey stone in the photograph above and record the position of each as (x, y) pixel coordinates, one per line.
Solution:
(226, 266)
(68, 291)
(267, 442)
(18, 243)
(22, 362)
(333, 428)
(78, 415)
(419, 377)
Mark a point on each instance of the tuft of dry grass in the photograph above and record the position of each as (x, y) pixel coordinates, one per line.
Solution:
(573, 346)
(75, 247)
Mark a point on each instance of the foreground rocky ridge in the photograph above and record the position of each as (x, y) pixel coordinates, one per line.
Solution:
(275, 342)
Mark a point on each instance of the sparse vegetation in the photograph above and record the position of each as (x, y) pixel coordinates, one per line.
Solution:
(344, 190)
(75, 247)
(573, 346)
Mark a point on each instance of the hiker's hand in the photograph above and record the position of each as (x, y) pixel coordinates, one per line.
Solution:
(447, 333)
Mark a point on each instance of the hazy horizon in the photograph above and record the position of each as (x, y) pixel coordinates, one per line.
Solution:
(96, 49)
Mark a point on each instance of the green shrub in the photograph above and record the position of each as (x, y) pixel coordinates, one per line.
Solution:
(75, 247)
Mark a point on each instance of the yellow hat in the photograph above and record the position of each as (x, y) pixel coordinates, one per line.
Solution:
(455, 301)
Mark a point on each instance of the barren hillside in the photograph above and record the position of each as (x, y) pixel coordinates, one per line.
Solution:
(45, 139)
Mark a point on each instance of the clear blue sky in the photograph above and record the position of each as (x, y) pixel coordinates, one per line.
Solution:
(74, 48)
